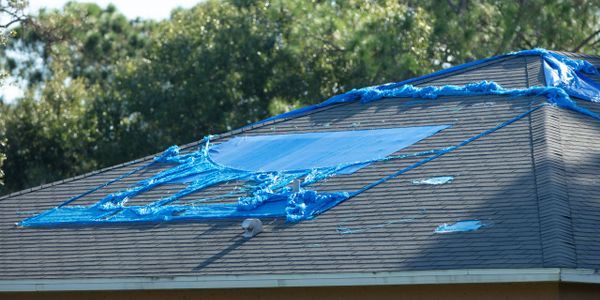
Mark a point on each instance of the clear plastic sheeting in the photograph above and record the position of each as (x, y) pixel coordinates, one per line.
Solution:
(460, 226)
(316, 150)
(433, 180)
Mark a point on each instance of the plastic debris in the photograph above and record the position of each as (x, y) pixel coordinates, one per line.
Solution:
(460, 226)
(433, 180)
(268, 192)
(566, 74)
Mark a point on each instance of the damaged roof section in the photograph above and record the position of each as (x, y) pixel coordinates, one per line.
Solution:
(390, 227)
(270, 164)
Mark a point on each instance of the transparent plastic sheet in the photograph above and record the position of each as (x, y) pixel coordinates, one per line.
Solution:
(271, 194)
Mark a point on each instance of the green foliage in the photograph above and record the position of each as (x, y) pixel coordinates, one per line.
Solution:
(2, 145)
(48, 138)
(52, 133)
(11, 13)
(109, 89)
(466, 30)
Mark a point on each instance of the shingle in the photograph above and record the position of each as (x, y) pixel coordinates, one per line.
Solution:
(581, 156)
(392, 225)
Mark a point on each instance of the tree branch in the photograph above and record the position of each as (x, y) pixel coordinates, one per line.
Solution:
(13, 21)
(586, 40)
(16, 15)
(526, 41)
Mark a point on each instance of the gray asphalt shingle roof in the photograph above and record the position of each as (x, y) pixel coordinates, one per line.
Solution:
(534, 183)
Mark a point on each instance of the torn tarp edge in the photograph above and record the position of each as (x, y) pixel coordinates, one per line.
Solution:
(575, 68)
(555, 95)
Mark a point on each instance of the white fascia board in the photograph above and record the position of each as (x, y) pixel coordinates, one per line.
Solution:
(297, 280)
(580, 276)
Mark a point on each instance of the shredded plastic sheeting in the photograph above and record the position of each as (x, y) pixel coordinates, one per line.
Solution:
(433, 180)
(566, 74)
(270, 196)
(554, 95)
(460, 226)
(316, 150)
(269, 191)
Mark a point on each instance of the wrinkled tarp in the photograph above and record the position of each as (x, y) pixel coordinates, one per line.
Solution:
(270, 194)
(316, 150)
(560, 72)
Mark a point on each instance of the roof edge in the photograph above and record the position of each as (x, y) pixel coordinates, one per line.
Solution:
(461, 276)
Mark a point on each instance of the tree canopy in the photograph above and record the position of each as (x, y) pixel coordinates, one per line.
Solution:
(102, 89)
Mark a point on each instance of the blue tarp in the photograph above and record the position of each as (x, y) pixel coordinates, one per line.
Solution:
(460, 226)
(271, 165)
(560, 71)
(316, 150)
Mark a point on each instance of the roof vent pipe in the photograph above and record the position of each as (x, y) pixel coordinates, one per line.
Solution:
(251, 227)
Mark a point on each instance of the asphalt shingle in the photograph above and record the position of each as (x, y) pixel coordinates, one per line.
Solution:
(532, 183)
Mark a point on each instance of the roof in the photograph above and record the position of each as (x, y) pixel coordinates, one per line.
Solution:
(533, 183)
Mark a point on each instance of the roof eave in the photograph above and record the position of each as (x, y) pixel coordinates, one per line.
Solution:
(460, 276)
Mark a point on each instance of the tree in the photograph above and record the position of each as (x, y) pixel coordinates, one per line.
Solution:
(49, 138)
(11, 13)
(49, 134)
(109, 89)
(465, 30)
(222, 65)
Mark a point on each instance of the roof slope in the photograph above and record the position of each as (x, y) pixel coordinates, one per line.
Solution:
(533, 183)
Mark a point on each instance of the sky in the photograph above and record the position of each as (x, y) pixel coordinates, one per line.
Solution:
(148, 9)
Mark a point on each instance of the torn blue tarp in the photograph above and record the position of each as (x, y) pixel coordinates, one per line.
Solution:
(316, 150)
(560, 72)
(271, 164)
(271, 190)
(573, 81)
(460, 226)
(433, 180)
(270, 195)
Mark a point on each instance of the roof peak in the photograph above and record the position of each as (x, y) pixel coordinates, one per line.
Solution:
(565, 74)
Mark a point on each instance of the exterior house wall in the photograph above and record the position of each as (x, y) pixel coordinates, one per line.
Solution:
(541, 291)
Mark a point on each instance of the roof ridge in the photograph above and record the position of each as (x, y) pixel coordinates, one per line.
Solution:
(459, 69)
(575, 54)
(556, 232)
(462, 71)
